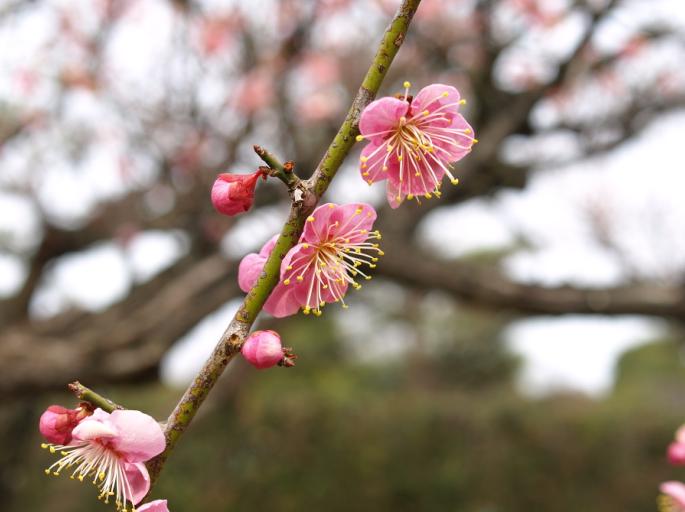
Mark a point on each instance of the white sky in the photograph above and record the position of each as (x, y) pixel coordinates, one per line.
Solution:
(575, 352)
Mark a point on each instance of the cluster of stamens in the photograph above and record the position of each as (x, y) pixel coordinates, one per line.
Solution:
(666, 504)
(97, 463)
(336, 261)
(417, 144)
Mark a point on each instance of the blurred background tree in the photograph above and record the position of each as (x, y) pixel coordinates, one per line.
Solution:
(115, 117)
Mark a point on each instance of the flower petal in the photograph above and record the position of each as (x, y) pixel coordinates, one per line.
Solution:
(460, 145)
(297, 260)
(248, 271)
(434, 97)
(675, 490)
(139, 436)
(138, 481)
(266, 249)
(97, 426)
(381, 117)
(418, 180)
(251, 265)
(332, 221)
(282, 302)
(354, 221)
(154, 506)
(392, 192)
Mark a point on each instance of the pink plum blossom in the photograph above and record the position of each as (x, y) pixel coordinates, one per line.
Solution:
(334, 245)
(57, 423)
(672, 498)
(154, 506)
(263, 349)
(234, 193)
(413, 141)
(110, 449)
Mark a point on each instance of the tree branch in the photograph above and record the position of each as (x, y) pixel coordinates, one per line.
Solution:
(232, 339)
(90, 396)
(493, 289)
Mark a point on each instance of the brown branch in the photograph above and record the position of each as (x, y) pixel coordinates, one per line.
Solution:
(138, 331)
(493, 289)
(232, 339)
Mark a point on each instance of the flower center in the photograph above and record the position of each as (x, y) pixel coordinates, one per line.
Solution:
(334, 264)
(97, 461)
(423, 144)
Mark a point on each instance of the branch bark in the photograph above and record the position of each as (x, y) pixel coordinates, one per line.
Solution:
(232, 339)
(490, 288)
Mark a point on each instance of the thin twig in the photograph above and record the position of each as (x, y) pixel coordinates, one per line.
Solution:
(90, 396)
(283, 172)
(232, 339)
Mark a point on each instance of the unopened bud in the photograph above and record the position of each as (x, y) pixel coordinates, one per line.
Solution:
(676, 454)
(57, 423)
(234, 193)
(263, 349)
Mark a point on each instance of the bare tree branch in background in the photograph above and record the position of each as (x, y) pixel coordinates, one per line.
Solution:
(72, 342)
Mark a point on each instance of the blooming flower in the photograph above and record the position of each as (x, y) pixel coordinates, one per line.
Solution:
(413, 141)
(57, 423)
(318, 270)
(263, 349)
(234, 193)
(672, 498)
(110, 449)
(154, 506)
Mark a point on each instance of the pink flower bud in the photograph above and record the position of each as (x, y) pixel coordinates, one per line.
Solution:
(234, 193)
(57, 422)
(676, 453)
(263, 349)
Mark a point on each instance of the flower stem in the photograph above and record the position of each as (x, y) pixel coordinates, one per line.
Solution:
(230, 342)
(90, 396)
(283, 172)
